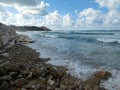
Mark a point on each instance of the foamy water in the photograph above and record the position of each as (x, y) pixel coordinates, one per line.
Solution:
(82, 52)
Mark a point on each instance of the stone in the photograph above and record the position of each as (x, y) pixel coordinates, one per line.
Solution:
(3, 72)
(51, 82)
(88, 87)
(5, 86)
(12, 83)
(23, 89)
(14, 74)
(63, 87)
(5, 54)
(30, 75)
(20, 82)
(8, 78)
(104, 75)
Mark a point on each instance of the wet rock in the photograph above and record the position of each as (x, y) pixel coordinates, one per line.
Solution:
(102, 74)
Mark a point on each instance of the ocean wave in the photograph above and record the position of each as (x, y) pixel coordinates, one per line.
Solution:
(92, 33)
(51, 36)
(106, 40)
(117, 34)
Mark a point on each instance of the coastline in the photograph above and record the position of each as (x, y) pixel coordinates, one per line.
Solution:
(21, 68)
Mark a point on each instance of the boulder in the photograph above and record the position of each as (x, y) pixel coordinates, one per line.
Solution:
(104, 75)
(6, 35)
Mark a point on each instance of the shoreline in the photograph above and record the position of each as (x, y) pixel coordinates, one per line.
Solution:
(21, 68)
(26, 70)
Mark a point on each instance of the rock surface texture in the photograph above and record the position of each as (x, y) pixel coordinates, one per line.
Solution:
(7, 36)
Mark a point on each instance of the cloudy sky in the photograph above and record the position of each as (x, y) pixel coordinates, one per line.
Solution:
(62, 14)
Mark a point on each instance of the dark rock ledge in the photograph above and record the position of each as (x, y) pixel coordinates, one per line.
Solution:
(21, 68)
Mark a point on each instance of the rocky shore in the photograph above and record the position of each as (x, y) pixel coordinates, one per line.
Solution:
(21, 68)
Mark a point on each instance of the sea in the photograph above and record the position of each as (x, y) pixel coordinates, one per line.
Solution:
(83, 52)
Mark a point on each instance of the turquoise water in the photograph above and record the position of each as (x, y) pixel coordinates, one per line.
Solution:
(82, 51)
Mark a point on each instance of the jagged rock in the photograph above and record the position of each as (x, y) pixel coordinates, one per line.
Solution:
(6, 35)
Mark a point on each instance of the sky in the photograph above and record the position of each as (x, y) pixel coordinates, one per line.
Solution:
(62, 14)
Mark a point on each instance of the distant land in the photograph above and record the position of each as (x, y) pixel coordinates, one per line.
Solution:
(29, 28)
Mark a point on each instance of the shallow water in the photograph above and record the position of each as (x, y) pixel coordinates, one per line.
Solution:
(83, 52)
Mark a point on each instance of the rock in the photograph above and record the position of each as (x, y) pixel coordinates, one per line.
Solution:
(104, 75)
(51, 82)
(5, 86)
(63, 87)
(12, 83)
(57, 89)
(8, 78)
(5, 54)
(6, 35)
(5, 65)
(20, 82)
(30, 75)
(14, 68)
(3, 72)
(5, 39)
(14, 74)
(23, 89)
(43, 80)
(88, 87)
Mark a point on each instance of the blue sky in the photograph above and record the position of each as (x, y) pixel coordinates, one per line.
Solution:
(59, 14)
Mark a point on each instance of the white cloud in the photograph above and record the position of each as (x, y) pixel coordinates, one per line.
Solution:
(112, 18)
(89, 18)
(32, 13)
(39, 9)
(53, 20)
(67, 21)
(111, 4)
(19, 2)
(29, 7)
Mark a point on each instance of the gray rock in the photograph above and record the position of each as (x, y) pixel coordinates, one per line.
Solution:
(30, 75)
(5, 54)
(5, 86)
(8, 78)
(51, 82)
